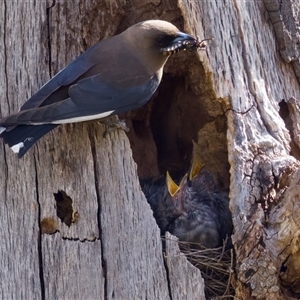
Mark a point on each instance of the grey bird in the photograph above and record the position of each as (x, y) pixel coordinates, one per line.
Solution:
(116, 75)
(204, 215)
(195, 210)
(164, 209)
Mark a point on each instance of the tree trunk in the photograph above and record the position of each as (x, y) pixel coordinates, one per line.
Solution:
(76, 224)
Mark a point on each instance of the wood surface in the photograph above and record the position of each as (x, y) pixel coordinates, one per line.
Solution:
(239, 102)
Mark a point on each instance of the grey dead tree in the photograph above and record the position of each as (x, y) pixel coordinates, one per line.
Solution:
(239, 102)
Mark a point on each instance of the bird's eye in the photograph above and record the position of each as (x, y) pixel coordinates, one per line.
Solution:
(164, 40)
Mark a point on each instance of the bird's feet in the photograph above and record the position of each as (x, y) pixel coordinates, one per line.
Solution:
(112, 124)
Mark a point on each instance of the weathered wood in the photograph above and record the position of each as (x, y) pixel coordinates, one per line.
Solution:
(132, 250)
(130, 257)
(113, 248)
(285, 19)
(283, 235)
(20, 53)
(185, 280)
(72, 269)
(249, 76)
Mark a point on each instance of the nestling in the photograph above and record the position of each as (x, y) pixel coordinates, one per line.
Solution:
(157, 195)
(195, 211)
(205, 217)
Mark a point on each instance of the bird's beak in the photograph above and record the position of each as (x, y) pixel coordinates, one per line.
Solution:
(182, 38)
(182, 41)
(174, 191)
(195, 168)
(172, 186)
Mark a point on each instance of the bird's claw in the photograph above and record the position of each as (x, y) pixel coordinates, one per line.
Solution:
(112, 125)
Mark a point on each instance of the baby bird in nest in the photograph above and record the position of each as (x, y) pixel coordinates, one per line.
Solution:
(195, 210)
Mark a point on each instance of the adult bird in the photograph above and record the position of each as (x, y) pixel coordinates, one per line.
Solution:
(116, 75)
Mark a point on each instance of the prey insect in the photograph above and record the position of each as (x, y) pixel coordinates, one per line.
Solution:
(197, 44)
(193, 46)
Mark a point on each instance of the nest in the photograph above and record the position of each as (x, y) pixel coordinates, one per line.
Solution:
(216, 266)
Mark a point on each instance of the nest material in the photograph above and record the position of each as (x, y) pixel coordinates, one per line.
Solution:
(216, 266)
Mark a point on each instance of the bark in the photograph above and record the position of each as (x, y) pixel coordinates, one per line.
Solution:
(249, 74)
(192, 285)
(104, 242)
(238, 101)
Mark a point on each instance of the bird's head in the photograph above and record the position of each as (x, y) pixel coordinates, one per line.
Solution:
(157, 40)
(183, 194)
(177, 192)
(161, 36)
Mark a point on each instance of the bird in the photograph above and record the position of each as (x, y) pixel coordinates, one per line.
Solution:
(195, 211)
(204, 215)
(163, 207)
(116, 75)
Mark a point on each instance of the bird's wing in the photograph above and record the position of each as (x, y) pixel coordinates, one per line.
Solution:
(90, 99)
(131, 93)
(65, 77)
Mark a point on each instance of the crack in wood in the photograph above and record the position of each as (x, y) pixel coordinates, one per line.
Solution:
(103, 260)
(49, 35)
(39, 242)
(5, 53)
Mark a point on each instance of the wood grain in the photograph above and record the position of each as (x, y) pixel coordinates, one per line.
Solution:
(112, 248)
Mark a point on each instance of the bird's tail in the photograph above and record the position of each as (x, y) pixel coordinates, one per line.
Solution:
(22, 137)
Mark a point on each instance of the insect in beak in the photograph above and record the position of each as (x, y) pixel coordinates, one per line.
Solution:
(198, 45)
(191, 45)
